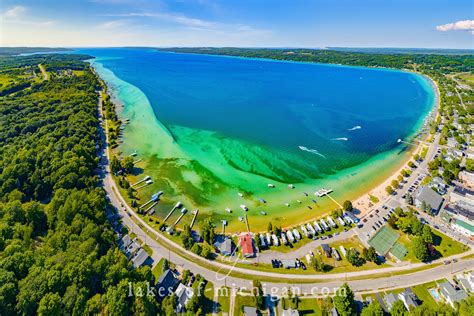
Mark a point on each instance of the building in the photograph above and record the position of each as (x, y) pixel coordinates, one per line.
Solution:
(450, 294)
(326, 249)
(167, 283)
(125, 242)
(463, 228)
(250, 311)
(223, 245)
(461, 196)
(290, 312)
(288, 263)
(467, 178)
(132, 249)
(438, 184)
(408, 298)
(140, 258)
(390, 299)
(246, 244)
(183, 295)
(429, 197)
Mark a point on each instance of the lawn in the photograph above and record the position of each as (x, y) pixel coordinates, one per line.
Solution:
(158, 269)
(422, 293)
(224, 300)
(306, 306)
(241, 301)
(209, 294)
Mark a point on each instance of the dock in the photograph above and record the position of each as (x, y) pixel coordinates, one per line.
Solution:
(183, 212)
(247, 223)
(155, 197)
(151, 208)
(178, 205)
(194, 218)
(142, 180)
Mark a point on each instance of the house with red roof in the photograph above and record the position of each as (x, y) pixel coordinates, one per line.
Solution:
(246, 244)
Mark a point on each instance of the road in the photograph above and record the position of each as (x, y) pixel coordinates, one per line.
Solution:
(179, 256)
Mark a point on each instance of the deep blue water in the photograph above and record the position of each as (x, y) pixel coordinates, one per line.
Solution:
(279, 105)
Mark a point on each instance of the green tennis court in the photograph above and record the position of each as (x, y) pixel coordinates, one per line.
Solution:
(384, 239)
(399, 251)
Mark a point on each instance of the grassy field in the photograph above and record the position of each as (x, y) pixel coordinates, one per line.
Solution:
(241, 301)
(158, 269)
(224, 301)
(209, 294)
(468, 78)
(306, 306)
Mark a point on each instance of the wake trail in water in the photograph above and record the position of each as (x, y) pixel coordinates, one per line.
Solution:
(355, 128)
(313, 151)
(340, 138)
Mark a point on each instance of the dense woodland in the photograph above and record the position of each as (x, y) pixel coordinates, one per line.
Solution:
(58, 254)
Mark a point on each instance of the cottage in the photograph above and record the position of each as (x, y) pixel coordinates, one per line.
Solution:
(408, 298)
(426, 195)
(326, 249)
(167, 283)
(390, 299)
(224, 245)
(140, 258)
(246, 244)
(450, 294)
(183, 295)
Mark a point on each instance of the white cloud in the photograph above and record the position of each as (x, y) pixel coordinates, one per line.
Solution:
(15, 11)
(173, 17)
(465, 25)
(113, 24)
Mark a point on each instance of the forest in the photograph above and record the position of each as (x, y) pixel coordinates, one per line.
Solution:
(58, 253)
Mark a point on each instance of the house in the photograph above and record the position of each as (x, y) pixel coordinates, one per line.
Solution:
(183, 296)
(326, 249)
(125, 242)
(450, 294)
(408, 298)
(451, 142)
(438, 184)
(463, 228)
(467, 178)
(250, 311)
(167, 283)
(246, 244)
(462, 195)
(223, 245)
(131, 249)
(290, 312)
(429, 197)
(390, 299)
(140, 258)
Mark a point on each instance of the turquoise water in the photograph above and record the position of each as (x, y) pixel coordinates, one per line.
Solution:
(315, 119)
(208, 127)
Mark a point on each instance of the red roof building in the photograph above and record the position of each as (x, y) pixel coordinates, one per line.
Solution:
(245, 242)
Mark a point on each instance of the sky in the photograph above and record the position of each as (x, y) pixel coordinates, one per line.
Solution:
(243, 23)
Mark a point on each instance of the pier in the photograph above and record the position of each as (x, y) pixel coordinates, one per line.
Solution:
(178, 205)
(154, 198)
(183, 212)
(151, 208)
(194, 218)
(142, 180)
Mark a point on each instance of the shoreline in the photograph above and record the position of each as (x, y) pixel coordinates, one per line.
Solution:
(290, 219)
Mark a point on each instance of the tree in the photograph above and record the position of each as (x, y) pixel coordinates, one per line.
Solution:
(186, 237)
(197, 249)
(50, 304)
(208, 233)
(420, 249)
(409, 199)
(127, 164)
(257, 291)
(395, 183)
(373, 309)
(389, 190)
(347, 206)
(115, 165)
(417, 227)
(344, 301)
(168, 305)
(354, 258)
(398, 309)
(317, 264)
(270, 227)
(370, 254)
(326, 306)
(427, 235)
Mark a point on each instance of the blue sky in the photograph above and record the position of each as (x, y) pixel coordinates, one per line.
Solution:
(276, 23)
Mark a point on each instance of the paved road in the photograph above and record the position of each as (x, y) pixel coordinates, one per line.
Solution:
(144, 231)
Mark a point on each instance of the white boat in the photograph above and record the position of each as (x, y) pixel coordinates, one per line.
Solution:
(244, 207)
(323, 192)
(343, 250)
(287, 204)
(308, 259)
(291, 186)
(240, 194)
(241, 218)
(228, 210)
(270, 185)
(283, 239)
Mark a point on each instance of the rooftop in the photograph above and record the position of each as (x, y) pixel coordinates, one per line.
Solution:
(430, 197)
